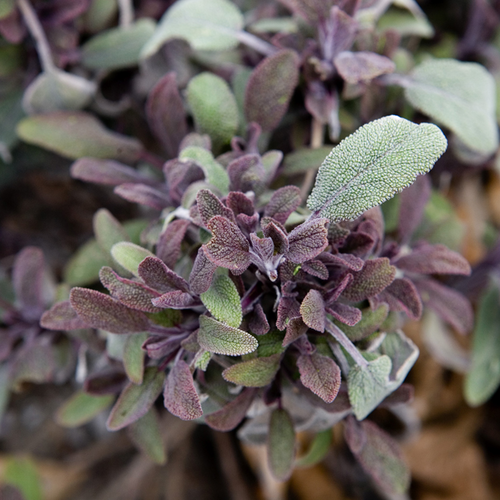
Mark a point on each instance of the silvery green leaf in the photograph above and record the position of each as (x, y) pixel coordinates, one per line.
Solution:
(118, 47)
(257, 372)
(223, 301)
(219, 338)
(484, 376)
(406, 24)
(281, 444)
(84, 266)
(81, 408)
(460, 96)
(129, 255)
(57, 90)
(133, 357)
(204, 25)
(146, 435)
(370, 166)
(214, 107)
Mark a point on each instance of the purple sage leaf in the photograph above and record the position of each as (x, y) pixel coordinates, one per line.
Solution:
(143, 195)
(202, 273)
(209, 206)
(320, 374)
(230, 415)
(61, 316)
(176, 300)
(307, 240)
(168, 247)
(282, 203)
(157, 275)
(355, 67)
(312, 311)
(402, 295)
(107, 172)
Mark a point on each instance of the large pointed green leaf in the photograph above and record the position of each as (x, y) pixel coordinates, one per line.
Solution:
(484, 376)
(204, 25)
(223, 301)
(460, 96)
(373, 164)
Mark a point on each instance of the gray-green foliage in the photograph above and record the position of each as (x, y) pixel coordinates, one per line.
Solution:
(204, 25)
(373, 164)
(214, 107)
(460, 96)
(223, 301)
(484, 376)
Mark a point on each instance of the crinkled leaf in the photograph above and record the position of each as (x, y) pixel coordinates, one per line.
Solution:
(61, 316)
(146, 435)
(228, 246)
(484, 376)
(307, 240)
(117, 48)
(214, 171)
(270, 89)
(376, 275)
(240, 203)
(101, 311)
(176, 300)
(205, 26)
(370, 322)
(81, 408)
(223, 301)
(282, 203)
(459, 95)
(166, 115)
(107, 172)
(355, 67)
(159, 276)
(368, 385)
(281, 444)
(312, 311)
(320, 374)
(202, 273)
(373, 164)
(230, 415)
(133, 357)
(129, 255)
(344, 313)
(181, 398)
(136, 400)
(219, 338)
(214, 108)
(315, 268)
(77, 134)
(209, 206)
(257, 372)
(379, 455)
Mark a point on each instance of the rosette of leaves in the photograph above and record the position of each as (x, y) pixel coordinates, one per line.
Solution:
(277, 308)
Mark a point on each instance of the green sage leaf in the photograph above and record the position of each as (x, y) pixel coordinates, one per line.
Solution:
(281, 444)
(146, 435)
(81, 408)
(129, 255)
(223, 301)
(257, 372)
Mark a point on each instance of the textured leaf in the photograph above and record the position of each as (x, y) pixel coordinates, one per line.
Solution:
(402, 295)
(57, 91)
(368, 385)
(205, 26)
(159, 276)
(459, 95)
(166, 115)
(344, 313)
(133, 357)
(379, 455)
(257, 322)
(355, 67)
(101, 311)
(214, 108)
(209, 206)
(312, 311)
(307, 240)
(281, 444)
(373, 164)
(129, 255)
(214, 171)
(430, 259)
(169, 243)
(257, 372)
(247, 173)
(411, 210)
(136, 400)
(223, 301)
(228, 247)
(202, 273)
(376, 275)
(117, 48)
(484, 376)
(146, 435)
(320, 374)
(176, 300)
(219, 338)
(81, 408)
(230, 415)
(315, 268)
(77, 134)
(369, 323)
(61, 317)
(270, 89)
(108, 230)
(282, 203)
(181, 398)
(107, 172)
(143, 195)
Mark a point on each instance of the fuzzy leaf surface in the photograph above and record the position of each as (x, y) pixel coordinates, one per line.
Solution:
(202, 273)
(129, 255)
(219, 338)
(205, 26)
(169, 243)
(257, 372)
(159, 276)
(370, 166)
(282, 203)
(61, 316)
(223, 301)
(136, 400)
(209, 206)
(108, 172)
(146, 435)
(307, 240)
(133, 357)
(459, 95)
(320, 374)
(355, 67)
(181, 398)
(230, 415)
(281, 444)
(312, 311)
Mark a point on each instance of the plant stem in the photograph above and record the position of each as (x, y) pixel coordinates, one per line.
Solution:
(344, 341)
(317, 133)
(36, 31)
(126, 13)
(255, 43)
